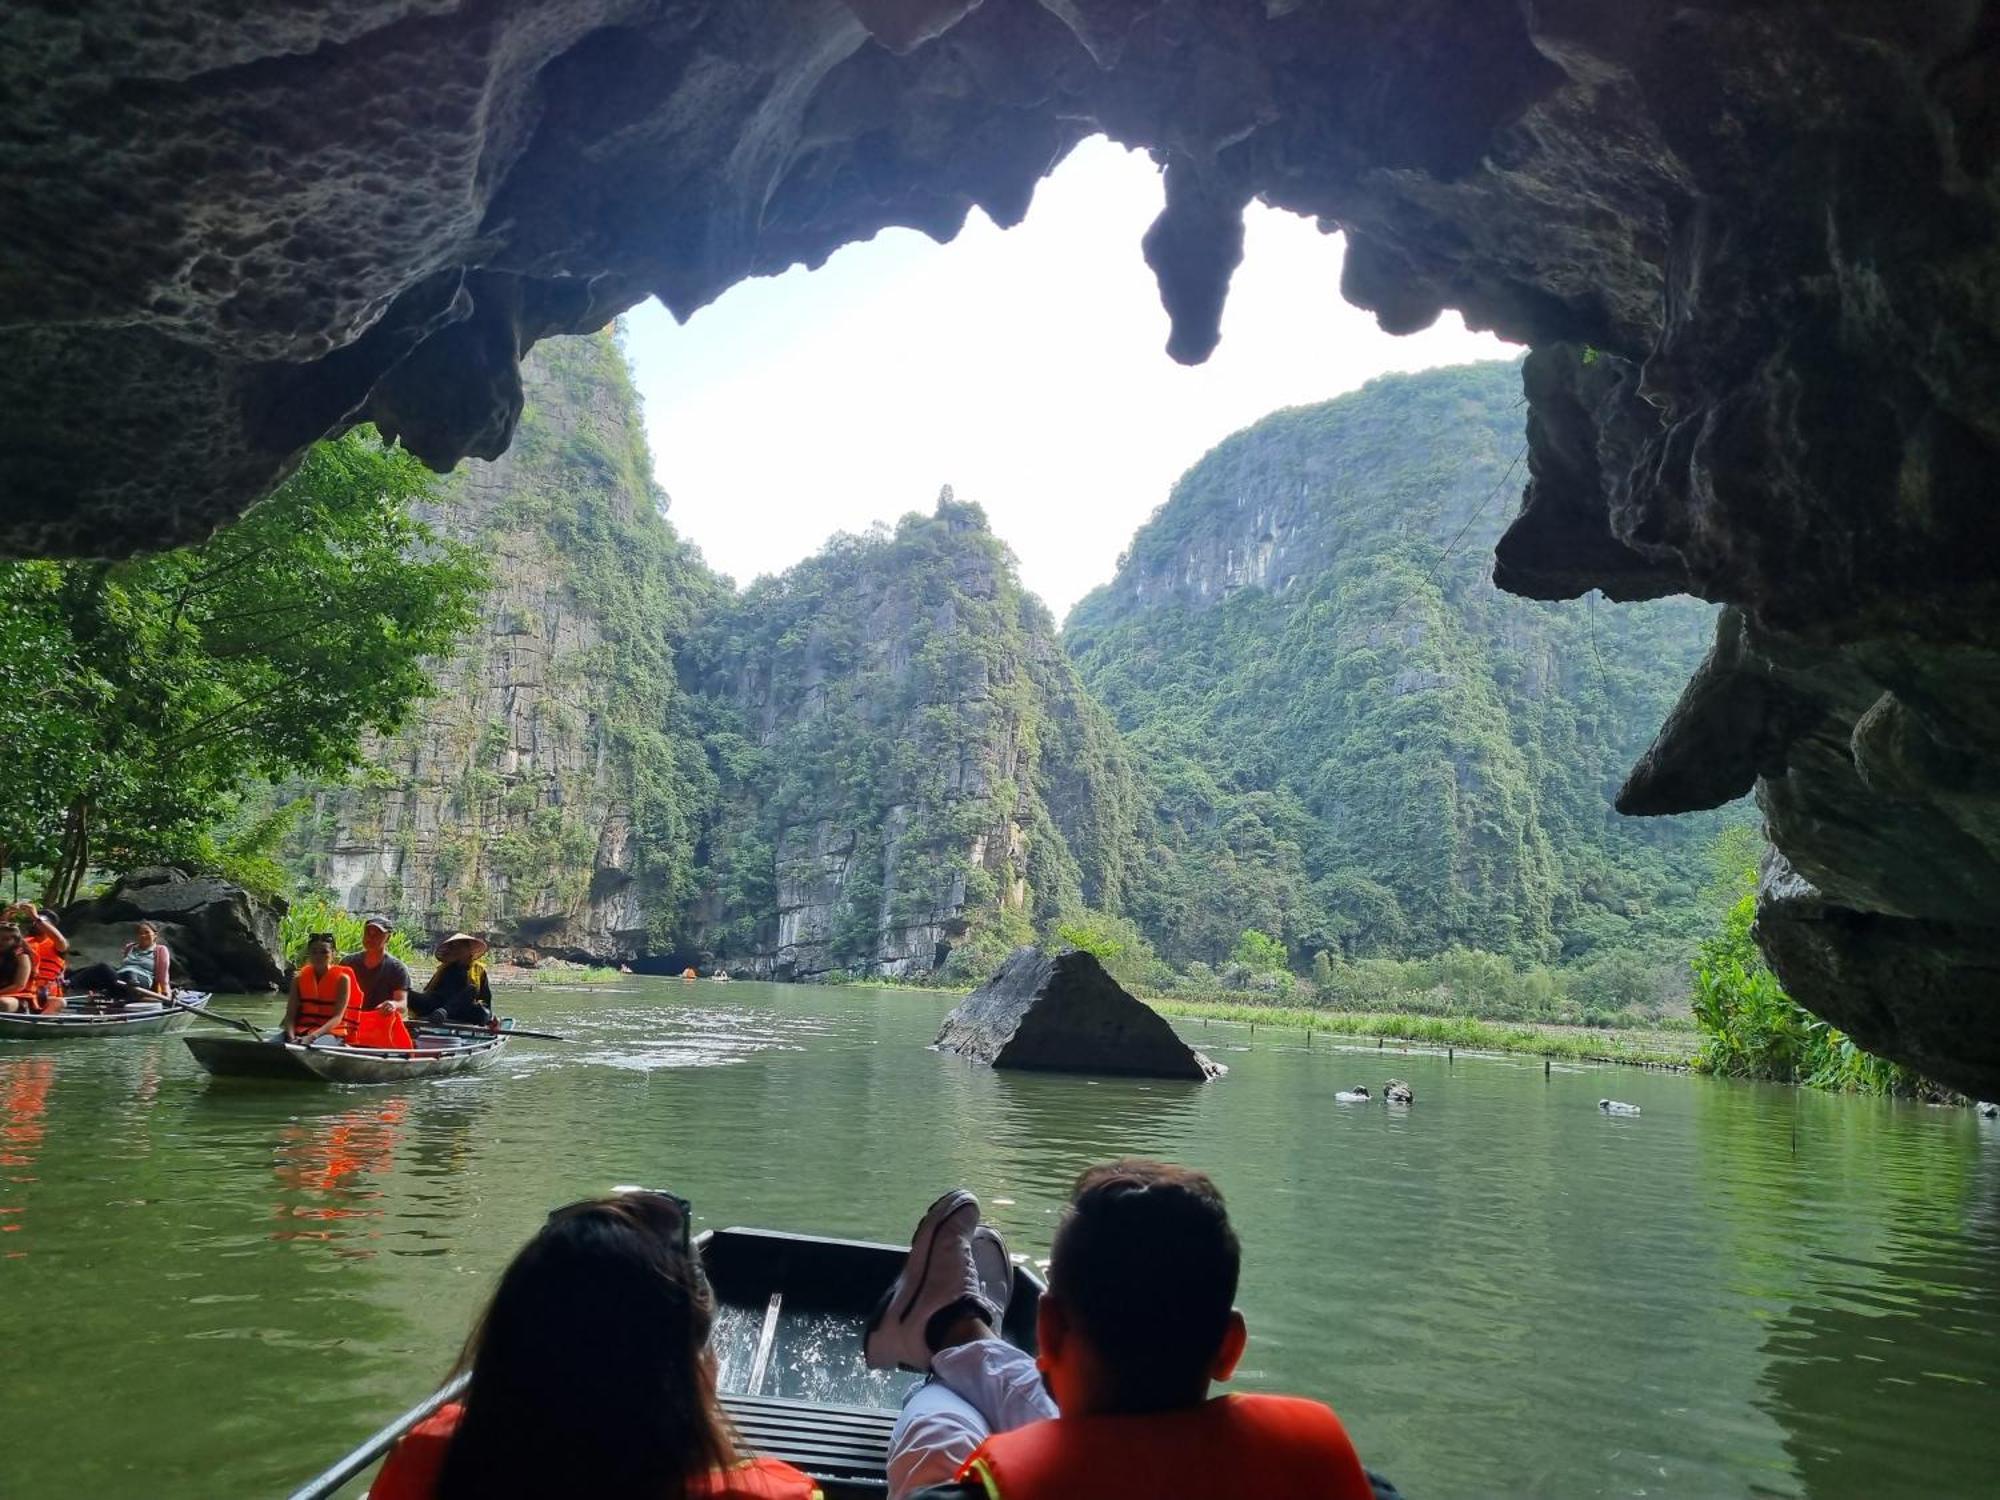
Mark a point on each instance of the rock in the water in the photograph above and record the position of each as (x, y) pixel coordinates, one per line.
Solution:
(221, 936)
(1062, 1013)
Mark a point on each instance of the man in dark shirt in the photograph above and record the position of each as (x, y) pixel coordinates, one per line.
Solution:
(385, 979)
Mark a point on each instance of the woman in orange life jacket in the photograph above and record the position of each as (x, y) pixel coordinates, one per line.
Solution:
(325, 995)
(591, 1376)
(17, 971)
(50, 950)
(1137, 1322)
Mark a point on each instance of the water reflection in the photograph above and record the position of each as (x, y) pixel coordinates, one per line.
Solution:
(1912, 1321)
(323, 1165)
(24, 1102)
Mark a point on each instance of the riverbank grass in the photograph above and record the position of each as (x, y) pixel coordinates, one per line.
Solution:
(1571, 1043)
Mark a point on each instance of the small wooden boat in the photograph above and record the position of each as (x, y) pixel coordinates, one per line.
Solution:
(789, 1317)
(437, 1054)
(94, 1016)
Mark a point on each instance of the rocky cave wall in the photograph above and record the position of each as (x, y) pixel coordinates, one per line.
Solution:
(1752, 246)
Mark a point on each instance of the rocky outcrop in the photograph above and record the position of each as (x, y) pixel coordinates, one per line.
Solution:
(1754, 248)
(511, 805)
(910, 774)
(221, 936)
(1061, 1013)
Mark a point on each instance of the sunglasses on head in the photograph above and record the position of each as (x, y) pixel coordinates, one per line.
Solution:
(684, 1210)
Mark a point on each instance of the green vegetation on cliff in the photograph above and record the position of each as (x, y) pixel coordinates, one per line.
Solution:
(1361, 747)
(1751, 1028)
(547, 792)
(905, 770)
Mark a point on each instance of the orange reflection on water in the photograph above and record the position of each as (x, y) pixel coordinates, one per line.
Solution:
(328, 1162)
(24, 1100)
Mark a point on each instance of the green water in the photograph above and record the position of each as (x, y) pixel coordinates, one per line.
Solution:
(211, 1289)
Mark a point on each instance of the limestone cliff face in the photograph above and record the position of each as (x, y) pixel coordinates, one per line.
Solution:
(539, 796)
(1309, 654)
(909, 775)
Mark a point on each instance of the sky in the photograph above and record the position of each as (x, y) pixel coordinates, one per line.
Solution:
(1026, 368)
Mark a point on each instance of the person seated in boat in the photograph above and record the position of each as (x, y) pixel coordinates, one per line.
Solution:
(1137, 1323)
(50, 951)
(591, 1375)
(385, 989)
(458, 992)
(325, 995)
(144, 970)
(17, 972)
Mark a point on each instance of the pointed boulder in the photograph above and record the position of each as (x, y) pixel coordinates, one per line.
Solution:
(1062, 1013)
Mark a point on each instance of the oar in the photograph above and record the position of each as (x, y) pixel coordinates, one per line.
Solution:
(203, 1013)
(540, 1036)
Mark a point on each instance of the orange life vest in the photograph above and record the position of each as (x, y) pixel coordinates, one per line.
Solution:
(1233, 1445)
(315, 1007)
(417, 1463)
(50, 962)
(380, 1027)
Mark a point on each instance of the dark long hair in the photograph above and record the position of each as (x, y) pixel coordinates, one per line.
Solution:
(590, 1371)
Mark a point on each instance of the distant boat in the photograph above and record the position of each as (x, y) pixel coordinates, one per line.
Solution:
(1617, 1107)
(95, 1016)
(437, 1054)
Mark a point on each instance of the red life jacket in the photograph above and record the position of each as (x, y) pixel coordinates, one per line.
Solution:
(1277, 1446)
(316, 1006)
(49, 965)
(380, 1027)
(417, 1463)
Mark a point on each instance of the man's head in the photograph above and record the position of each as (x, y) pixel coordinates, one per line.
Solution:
(374, 936)
(1141, 1313)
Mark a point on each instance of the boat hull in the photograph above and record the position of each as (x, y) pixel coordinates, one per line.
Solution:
(82, 1018)
(435, 1056)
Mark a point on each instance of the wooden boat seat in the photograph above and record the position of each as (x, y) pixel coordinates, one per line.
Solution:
(846, 1448)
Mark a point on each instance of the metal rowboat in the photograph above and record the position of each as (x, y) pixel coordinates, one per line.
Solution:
(437, 1054)
(93, 1016)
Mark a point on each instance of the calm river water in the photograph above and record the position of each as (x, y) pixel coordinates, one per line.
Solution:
(211, 1289)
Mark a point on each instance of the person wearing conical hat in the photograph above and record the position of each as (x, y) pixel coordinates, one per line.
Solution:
(458, 991)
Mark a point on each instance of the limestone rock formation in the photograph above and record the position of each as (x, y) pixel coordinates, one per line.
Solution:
(1361, 745)
(909, 774)
(1755, 249)
(222, 937)
(1061, 1013)
(539, 795)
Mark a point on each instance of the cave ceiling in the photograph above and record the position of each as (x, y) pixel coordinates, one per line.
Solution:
(1752, 248)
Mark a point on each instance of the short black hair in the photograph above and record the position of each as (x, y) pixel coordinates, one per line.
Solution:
(1146, 1263)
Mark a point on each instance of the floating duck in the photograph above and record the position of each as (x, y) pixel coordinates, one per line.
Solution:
(1356, 1095)
(1617, 1107)
(1991, 1111)
(1398, 1092)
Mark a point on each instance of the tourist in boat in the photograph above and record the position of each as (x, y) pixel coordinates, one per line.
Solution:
(591, 1375)
(50, 951)
(144, 970)
(385, 989)
(325, 994)
(17, 972)
(1137, 1323)
(458, 992)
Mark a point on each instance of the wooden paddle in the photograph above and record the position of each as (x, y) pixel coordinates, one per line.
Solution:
(540, 1036)
(203, 1013)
